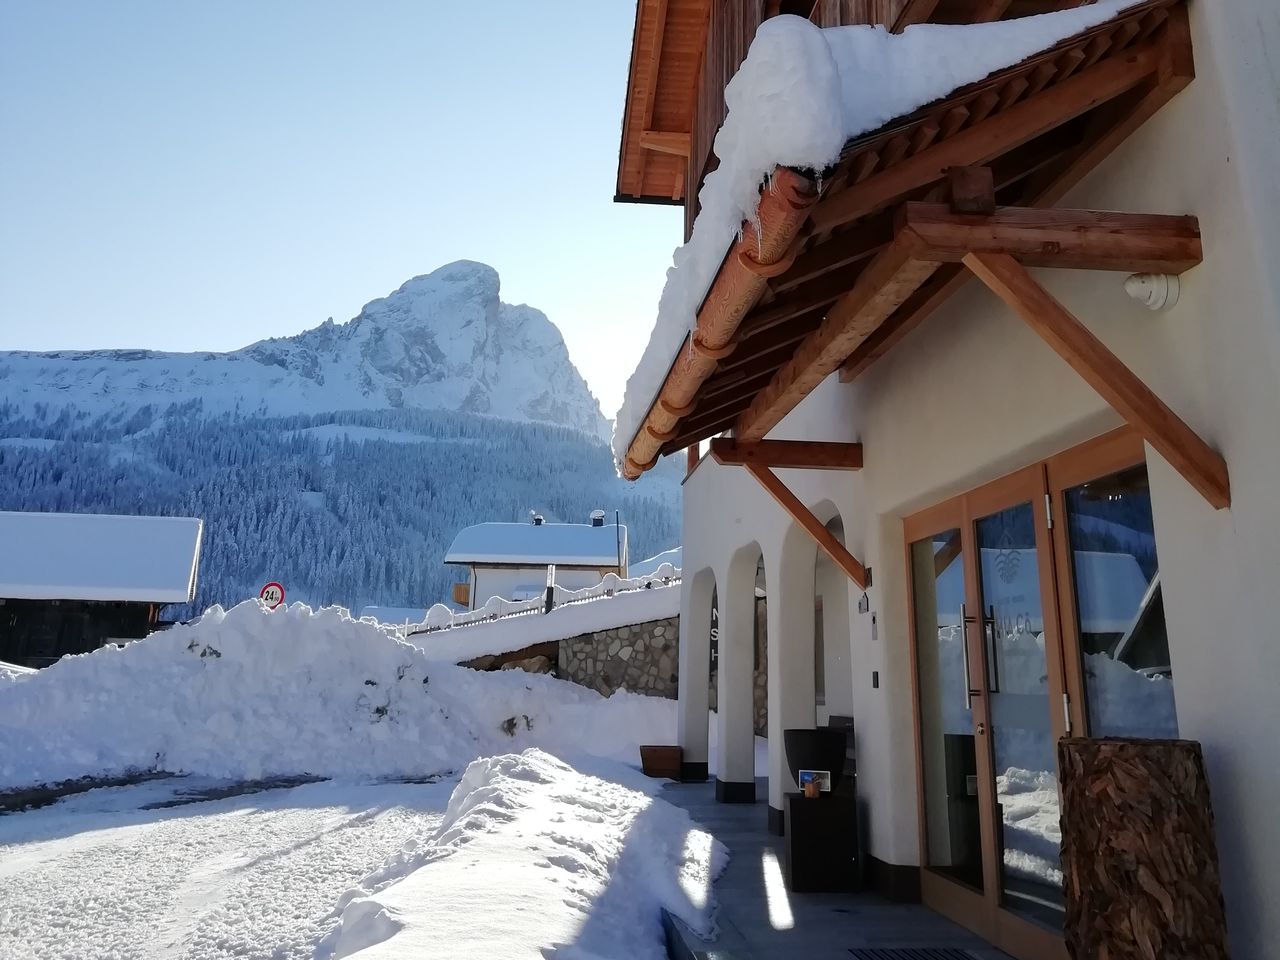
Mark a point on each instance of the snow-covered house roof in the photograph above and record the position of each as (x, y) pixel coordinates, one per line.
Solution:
(842, 125)
(539, 544)
(80, 556)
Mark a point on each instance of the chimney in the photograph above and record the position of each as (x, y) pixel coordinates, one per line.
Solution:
(597, 518)
(537, 519)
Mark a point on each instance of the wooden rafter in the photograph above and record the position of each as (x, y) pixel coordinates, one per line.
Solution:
(881, 288)
(664, 141)
(1168, 434)
(798, 454)
(1077, 239)
(803, 516)
(651, 84)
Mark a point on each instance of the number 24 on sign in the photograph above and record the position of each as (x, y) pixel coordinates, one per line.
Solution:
(272, 595)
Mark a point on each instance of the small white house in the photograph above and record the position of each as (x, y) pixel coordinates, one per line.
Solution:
(510, 560)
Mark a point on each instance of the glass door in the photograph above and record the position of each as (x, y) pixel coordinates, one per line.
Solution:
(989, 683)
(1022, 684)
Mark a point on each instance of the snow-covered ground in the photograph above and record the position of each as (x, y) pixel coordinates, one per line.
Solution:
(96, 876)
(514, 852)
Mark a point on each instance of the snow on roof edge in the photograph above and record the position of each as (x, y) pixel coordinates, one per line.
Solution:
(800, 95)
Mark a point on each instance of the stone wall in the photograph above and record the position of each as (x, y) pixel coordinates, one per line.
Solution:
(642, 657)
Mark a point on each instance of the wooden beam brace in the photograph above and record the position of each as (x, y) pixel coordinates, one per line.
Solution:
(1075, 239)
(888, 280)
(792, 454)
(1110, 126)
(1201, 465)
(662, 141)
(802, 515)
(982, 142)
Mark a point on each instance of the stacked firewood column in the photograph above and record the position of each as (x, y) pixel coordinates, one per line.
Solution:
(1139, 860)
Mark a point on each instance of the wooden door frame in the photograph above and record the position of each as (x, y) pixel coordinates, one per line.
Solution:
(1042, 483)
(1107, 454)
(951, 898)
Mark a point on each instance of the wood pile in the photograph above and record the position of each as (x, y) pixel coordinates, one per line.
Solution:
(1139, 860)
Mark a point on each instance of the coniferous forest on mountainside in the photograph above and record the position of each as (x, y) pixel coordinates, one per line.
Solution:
(348, 508)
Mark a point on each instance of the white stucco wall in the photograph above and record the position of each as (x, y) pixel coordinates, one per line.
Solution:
(974, 394)
(502, 582)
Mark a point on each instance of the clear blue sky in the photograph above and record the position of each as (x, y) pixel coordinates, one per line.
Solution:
(186, 176)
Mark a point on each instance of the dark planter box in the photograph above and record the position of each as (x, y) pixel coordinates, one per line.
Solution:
(661, 761)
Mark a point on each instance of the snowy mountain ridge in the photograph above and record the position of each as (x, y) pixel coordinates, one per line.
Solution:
(442, 341)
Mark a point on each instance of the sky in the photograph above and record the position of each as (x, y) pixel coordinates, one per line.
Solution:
(198, 176)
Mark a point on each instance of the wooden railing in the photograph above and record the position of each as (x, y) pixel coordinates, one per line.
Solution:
(729, 34)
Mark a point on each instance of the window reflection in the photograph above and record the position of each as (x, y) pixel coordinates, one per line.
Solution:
(1124, 647)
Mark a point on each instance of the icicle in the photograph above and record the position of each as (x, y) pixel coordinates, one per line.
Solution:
(818, 182)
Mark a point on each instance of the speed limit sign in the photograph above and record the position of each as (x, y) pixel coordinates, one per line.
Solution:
(272, 595)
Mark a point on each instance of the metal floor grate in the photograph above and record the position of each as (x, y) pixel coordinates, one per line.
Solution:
(909, 953)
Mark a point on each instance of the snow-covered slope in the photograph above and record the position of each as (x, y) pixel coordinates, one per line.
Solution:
(442, 341)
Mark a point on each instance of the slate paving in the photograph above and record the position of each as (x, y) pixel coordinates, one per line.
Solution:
(759, 918)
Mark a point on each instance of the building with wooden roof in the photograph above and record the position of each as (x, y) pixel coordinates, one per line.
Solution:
(938, 379)
(71, 582)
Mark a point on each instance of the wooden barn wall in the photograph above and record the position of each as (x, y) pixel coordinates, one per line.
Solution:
(34, 633)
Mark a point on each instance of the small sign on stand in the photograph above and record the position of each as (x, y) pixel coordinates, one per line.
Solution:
(272, 594)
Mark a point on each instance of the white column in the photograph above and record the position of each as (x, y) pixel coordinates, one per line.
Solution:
(789, 582)
(735, 740)
(695, 665)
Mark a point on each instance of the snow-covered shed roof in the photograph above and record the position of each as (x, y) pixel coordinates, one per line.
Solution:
(647, 568)
(842, 126)
(82, 556)
(568, 544)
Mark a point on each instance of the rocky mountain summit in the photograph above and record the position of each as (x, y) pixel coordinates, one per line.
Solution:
(443, 341)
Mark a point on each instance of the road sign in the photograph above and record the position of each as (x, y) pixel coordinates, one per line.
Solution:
(272, 595)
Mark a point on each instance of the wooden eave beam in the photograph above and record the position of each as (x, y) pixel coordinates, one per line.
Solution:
(789, 454)
(1075, 239)
(1201, 465)
(663, 141)
(803, 516)
(880, 289)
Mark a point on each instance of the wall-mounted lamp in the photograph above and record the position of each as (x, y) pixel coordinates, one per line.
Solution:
(1155, 291)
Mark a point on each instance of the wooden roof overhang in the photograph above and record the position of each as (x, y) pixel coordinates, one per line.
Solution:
(764, 336)
(666, 52)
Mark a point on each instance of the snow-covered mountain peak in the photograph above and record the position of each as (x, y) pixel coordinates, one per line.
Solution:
(442, 340)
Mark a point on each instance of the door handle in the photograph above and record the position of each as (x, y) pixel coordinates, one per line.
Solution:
(993, 652)
(965, 620)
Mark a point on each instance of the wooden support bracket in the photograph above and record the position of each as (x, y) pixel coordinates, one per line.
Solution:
(797, 454)
(1072, 239)
(1201, 465)
(802, 515)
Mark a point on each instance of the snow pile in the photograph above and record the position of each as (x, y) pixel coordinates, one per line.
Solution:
(501, 626)
(801, 93)
(535, 859)
(11, 672)
(248, 693)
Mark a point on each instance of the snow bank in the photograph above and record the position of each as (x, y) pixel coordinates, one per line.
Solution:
(801, 93)
(11, 672)
(248, 693)
(534, 859)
